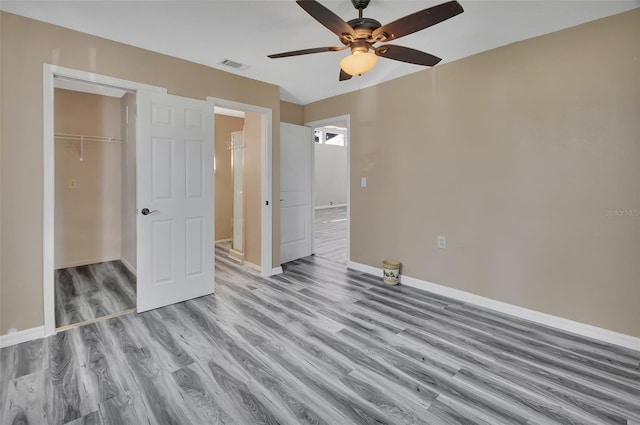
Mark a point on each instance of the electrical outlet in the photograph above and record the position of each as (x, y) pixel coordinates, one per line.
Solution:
(363, 182)
(442, 242)
(72, 184)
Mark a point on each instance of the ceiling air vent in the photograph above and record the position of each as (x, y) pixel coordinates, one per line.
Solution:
(233, 64)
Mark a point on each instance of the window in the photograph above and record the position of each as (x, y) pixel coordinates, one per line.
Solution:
(330, 136)
(334, 139)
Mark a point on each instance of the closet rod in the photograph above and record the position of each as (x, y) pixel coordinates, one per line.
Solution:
(83, 137)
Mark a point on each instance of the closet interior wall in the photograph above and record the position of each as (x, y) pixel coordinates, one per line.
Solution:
(88, 179)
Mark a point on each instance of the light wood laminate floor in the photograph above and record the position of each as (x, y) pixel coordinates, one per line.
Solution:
(96, 290)
(330, 233)
(317, 345)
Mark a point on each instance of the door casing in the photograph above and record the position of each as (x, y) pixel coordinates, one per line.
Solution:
(266, 213)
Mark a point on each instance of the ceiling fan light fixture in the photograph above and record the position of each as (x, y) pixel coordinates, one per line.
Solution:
(359, 63)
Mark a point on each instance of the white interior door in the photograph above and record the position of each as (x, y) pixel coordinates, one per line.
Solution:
(295, 192)
(175, 202)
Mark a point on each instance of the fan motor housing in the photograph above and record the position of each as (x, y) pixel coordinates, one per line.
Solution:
(364, 23)
(360, 4)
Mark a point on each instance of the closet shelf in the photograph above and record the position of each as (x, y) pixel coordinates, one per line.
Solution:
(84, 138)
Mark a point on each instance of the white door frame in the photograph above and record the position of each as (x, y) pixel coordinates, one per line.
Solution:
(266, 225)
(48, 252)
(322, 123)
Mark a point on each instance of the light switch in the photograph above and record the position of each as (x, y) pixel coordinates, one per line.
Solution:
(363, 182)
(72, 184)
(442, 242)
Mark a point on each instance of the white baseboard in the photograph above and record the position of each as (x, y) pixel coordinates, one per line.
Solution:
(364, 268)
(129, 266)
(14, 338)
(325, 207)
(276, 270)
(85, 262)
(561, 323)
(223, 240)
(253, 266)
(236, 255)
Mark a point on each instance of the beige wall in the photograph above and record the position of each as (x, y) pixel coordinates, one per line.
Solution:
(129, 202)
(87, 216)
(291, 113)
(251, 187)
(85, 113)
(27, 44)
(225, 125)
(516, 155)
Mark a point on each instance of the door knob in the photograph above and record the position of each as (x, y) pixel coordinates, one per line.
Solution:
(145, 211)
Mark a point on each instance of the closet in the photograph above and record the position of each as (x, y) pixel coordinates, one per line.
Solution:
(95, 242)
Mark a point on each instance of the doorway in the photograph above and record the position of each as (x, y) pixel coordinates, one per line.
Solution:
(229, 171)
(255, 220)
(331, 188)
(94, 254)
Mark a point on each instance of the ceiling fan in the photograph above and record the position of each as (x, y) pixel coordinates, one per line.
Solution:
(361, 34)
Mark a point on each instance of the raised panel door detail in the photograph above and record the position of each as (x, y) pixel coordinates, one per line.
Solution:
(295, 230)
(162, 244)
(194, 169)
(161, 115)
(292, 180)
(193, 118)
(194, 246)
(161, 168)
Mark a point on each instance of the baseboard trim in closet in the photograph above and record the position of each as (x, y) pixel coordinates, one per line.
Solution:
(86, 262)
(18, 337)
(561, 323)
(236, 255)
(129, 266)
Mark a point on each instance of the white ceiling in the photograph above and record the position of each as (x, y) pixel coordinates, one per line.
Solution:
(208, 31)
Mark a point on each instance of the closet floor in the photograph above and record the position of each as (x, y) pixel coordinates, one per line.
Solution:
(96, 290)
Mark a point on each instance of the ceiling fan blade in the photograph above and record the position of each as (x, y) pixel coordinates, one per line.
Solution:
(306, 52)
(417, 21)
(327, 18)
(406, 54)
(344, 76)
